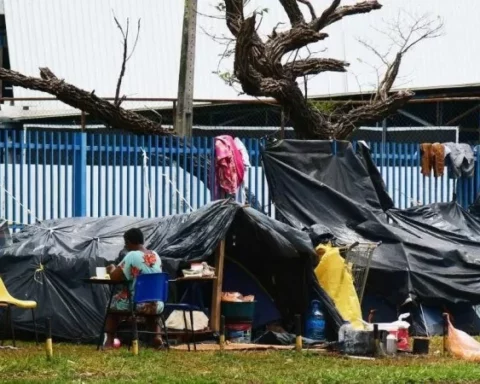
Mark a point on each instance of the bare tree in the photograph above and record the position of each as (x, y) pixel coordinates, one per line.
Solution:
(111, 113)
(260, 68)
(125, 57)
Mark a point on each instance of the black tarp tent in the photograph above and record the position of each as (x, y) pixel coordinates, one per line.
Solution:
(48, 261)
(430, 254)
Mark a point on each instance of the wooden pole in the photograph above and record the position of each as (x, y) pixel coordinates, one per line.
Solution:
(217, 287)
(298, 333)
(48, 339)
(184, 113)
(222, 332)
(445, 332)
(135, 337)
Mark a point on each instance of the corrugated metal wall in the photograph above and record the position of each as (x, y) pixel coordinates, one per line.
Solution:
(150, 176)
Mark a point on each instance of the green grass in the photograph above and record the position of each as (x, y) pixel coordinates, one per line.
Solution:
(79, 364)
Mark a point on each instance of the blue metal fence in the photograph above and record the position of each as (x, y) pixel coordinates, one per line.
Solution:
(45, 175)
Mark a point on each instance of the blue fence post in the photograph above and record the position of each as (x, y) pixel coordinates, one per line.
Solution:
(80, 175)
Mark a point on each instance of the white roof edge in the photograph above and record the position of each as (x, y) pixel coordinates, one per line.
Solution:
(367, 93)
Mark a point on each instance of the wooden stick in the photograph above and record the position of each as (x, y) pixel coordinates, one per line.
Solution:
(222, 332)
(298, 333)
(135, 337)
(445, 332)
(48, 340)
(217, 287)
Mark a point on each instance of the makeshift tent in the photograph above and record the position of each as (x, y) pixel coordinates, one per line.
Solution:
(47, 262)
(429, 254)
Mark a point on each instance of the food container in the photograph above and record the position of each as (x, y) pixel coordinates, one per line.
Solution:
(238, 310)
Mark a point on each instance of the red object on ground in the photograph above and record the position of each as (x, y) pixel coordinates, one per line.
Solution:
(403, 341)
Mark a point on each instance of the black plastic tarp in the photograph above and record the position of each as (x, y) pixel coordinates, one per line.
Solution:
(48, 261)
(429, 253)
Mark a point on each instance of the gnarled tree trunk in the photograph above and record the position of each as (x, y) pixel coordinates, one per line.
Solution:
(259, 68)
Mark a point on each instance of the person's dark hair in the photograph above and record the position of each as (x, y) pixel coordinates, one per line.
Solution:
(133, 236)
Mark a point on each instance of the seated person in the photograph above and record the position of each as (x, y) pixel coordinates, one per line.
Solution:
(137, 261)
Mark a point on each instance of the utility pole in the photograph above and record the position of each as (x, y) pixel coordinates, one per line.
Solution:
(184, 115)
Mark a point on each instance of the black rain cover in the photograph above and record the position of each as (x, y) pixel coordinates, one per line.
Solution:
(430, 253)
(47, 262)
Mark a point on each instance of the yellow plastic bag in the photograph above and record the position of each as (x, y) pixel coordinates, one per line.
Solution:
(336, 279)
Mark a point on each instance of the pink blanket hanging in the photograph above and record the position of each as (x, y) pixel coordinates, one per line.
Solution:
(229, 166)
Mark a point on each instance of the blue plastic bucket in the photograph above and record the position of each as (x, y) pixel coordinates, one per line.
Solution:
(239, 333)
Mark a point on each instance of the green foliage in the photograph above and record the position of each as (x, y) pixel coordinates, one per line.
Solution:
(326, 107)
(220, 7)
(228, 77)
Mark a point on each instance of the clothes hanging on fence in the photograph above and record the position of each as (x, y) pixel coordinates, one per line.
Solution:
(241, 195)
(433, 157)
(462, 160)
(243, 151)
(229, 167)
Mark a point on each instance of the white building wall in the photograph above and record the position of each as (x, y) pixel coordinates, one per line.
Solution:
(79, 41)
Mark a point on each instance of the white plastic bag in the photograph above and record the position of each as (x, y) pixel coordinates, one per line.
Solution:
(176, 321)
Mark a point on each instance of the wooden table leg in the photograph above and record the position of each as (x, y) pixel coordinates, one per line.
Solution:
(217, 287)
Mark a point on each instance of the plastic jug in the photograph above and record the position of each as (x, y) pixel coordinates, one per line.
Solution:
(391, 343)
(315, 324)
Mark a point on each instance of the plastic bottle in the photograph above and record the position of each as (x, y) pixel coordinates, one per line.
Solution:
(315, 324)
(391, 343)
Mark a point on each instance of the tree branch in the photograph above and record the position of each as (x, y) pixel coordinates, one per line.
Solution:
(301, 34)
(291, 40)
(234, 15)
(389, 78)
(293, 12)
(85, 101)
(314, 66)
(245, 59)
(321, 22)
(124, 60)
(125, 57)
(346, 123)
(261, 69)
(384, 104)
(310, 8)
(421, 29)
(335, 13)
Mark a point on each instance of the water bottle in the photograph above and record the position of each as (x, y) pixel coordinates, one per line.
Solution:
(315, 324)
